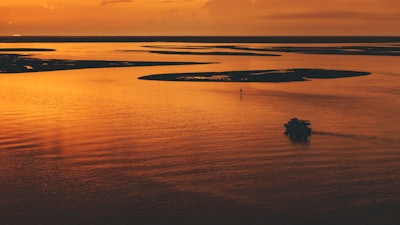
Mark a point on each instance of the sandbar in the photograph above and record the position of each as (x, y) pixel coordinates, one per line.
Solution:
(19, 63)
(284, 75)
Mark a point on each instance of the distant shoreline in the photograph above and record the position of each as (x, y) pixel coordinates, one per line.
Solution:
(204, 39)
(18, 63)
(27, 50)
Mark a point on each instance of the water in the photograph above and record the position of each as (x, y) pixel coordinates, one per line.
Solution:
(99, 146)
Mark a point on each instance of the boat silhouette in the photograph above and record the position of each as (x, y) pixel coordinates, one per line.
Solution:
(298, 129)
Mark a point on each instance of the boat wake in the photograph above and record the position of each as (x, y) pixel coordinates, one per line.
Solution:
(356, 136)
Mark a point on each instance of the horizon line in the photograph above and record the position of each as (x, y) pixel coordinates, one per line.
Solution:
(48, 35)
(203, 39)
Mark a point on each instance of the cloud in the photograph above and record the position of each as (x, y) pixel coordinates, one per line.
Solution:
(297, 5)
(174, 1)
(49, 7)
(108, 2)
(228, 5)
(245, 10)
(333, 15)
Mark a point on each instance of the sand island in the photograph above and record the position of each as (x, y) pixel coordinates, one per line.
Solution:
(21, 63)
(389, 50)
(284, 75)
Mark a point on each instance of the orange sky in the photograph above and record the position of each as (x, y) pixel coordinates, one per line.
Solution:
(200, 17)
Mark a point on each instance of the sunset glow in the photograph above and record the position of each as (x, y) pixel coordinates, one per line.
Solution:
(188, 112)
(200, 17)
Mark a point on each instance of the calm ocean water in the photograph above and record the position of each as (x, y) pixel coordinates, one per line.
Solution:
(99, 146)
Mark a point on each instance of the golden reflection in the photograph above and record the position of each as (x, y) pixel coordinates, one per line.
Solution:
(77, 143)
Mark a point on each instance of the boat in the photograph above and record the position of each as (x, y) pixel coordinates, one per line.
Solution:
(298, 129)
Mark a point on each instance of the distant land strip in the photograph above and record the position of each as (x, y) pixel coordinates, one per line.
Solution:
(206, 39)
(203, 53)
(27, 50)
(260, 51)
(342, 50)
(17, 63)
(284, 75)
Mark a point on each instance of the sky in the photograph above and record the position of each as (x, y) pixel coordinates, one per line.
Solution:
(200, 17)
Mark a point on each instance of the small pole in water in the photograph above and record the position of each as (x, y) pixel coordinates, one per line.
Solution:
(241, 93)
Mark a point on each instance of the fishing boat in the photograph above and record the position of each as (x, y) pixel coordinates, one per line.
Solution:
(298, 129)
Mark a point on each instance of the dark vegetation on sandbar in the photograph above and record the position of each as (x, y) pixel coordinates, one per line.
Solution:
(27, 50)
(340, 50)
(285, 75)
(203, 53)
(17, 63)
(184, 47)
